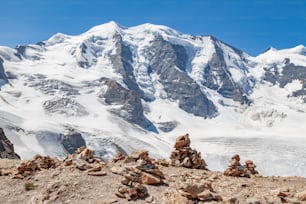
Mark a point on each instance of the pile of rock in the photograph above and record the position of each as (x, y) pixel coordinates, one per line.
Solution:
(84, 159)
(38, 163)
(184, 156)
(6, 147)
(238, 170)
(131, 190)
(137, 169)
(191, 193)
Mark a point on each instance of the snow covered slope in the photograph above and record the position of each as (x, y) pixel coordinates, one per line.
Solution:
(139, 87)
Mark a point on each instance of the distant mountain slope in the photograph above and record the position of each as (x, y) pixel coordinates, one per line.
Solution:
(126, 88)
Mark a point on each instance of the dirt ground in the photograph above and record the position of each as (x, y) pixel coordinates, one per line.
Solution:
(67, 184)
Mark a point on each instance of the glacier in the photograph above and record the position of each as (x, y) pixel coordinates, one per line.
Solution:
(125, 88)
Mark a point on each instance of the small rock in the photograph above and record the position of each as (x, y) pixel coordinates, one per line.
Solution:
(150, 179)
(119, 170)
(182, 141)
(99, 173)
(95, 169)
(253, 200)
(18, 176)
(81, 164)
(301, 196)
(149, 199)
(140, 154)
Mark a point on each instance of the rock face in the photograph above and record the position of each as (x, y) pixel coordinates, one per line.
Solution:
(285, 74)
(217, 71)
(238, 170)
(169, 62)
(131, 108)
(3, 78)
(72, 140)
(64, 106)
(184, 156)
(6, 147)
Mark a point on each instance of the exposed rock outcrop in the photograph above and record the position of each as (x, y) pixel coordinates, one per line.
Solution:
(3, 78)
(131, 108)
(72, 140)
(184, 156)
(6, 147)
(169, 61)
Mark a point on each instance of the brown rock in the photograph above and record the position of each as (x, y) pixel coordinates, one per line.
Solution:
(162, 162)
(94, 169)
(301, 196)
(172, 196)
(81, 164)
(182, 141)
(237, 170)
(184, 156)
(150, 179)
(86, 154)
(119, 170)
(140, 154)
(7, 172)
(99, 173)
(133, 191)
(18, 176)
(119, 157)
(208, 196)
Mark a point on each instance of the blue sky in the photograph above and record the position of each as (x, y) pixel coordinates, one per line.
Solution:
(250, 25)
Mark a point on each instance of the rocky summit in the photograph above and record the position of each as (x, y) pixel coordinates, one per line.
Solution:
(83, 177)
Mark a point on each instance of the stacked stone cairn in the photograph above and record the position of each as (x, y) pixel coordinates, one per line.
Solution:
(184, 156)
(137, 169)
(237, 170)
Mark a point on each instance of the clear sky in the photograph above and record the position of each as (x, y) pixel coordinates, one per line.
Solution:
(250, 25)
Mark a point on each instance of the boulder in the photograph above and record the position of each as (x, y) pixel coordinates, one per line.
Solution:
(150, 179)
(72, 140)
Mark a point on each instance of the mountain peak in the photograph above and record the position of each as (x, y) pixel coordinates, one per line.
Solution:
(300, 49)
(106, 28)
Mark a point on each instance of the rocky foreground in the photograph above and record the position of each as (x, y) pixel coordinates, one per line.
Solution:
(185, 178)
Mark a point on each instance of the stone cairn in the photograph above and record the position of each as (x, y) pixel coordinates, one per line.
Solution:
(137, 169)
(83, 159)
(184, 156)
(187, 188)
(237, 170)
(38, 163)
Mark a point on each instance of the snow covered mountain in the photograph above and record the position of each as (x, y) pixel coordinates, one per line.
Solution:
(139, 87)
